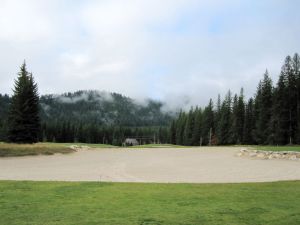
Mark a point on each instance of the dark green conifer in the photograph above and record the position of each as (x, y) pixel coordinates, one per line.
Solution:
(224, 132)
(24, 120)
(196, 136)
(263, 107)
(249, 124)
(280, 118)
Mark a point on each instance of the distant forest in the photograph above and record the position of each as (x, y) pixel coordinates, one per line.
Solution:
(95, 117)
(271, 117)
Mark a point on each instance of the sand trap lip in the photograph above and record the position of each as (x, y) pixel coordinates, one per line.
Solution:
(162, 165)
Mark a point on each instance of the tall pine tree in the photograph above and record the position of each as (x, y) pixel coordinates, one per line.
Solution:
(208, 123)
(296, 71)
(197, 128)
(280, 117)
(224, 127)
(238, 114)
(263, 107)
(292, 98)
(24, 121)
(249, 124)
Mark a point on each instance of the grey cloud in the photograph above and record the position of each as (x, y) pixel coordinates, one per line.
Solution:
(109, 45)
(95, 95)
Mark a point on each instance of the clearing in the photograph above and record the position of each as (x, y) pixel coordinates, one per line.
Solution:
(161, 165)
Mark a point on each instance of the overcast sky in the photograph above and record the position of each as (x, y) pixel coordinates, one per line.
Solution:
(172, 50)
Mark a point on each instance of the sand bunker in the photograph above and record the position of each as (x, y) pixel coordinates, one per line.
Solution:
(188, 165)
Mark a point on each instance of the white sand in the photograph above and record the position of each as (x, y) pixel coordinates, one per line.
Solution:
(189, 165)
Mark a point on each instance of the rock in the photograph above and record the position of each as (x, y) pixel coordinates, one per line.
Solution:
(289, 155)
(74, 147)
(261, 155)
(240, 154)
(293, 157)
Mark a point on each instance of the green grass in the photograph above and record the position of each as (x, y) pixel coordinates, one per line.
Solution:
(42, 148)
(160, 146)
(81, 144)
(277, 148)
(7, 149)
(48, 148)
(91, 203)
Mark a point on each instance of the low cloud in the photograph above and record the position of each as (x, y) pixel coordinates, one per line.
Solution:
(95, 96)
(182, 52)
(66, 99)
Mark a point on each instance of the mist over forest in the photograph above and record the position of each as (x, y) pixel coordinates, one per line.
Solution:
(95, 116)
(271, 116)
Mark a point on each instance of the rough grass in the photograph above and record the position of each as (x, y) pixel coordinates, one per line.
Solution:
(159, 146)
(81, 144)
(96, 145)
(9, 150)
(42, 148)
(48, 148)
(91, 203)
(256, 147)
(278, 148)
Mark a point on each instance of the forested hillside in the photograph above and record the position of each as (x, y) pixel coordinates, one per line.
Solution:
(96, 117)
(102, 108)
(272, 116)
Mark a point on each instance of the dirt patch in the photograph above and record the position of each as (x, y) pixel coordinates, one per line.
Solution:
(188, 165)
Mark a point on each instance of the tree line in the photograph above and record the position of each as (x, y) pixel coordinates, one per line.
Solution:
(271, 117)
(68, 132)
(82, 116)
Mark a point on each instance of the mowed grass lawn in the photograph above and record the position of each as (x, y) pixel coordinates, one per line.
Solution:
(136, 203)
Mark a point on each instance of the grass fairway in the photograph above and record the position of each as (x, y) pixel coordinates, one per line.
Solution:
(7, 150)
(135, 203)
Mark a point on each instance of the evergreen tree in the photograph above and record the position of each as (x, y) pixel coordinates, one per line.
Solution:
(173, 133)
(234, 121)
(296, 71)
(196, 137)
(4, 108)
(263, 105)
(280, 118)
(241, 117)
(180, 125)
(238, 116)
(208, 123)
(291, 98)
(189, 128)
(224, 132)
(24, 121)
(249, 124)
